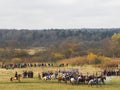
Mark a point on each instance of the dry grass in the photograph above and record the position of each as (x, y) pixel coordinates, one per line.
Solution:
(36, 84)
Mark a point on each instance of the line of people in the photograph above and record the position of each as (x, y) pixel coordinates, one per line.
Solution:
(108, 72)
(24, 65)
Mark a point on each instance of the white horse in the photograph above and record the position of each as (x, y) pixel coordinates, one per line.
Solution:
(73, 80)
(49, 77)
(45, 78)
(52, 76)
(96, 81)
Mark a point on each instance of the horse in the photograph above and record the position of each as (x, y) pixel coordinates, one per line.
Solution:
(88, 78)
(73, 80)
(81, 79)
(16, 78)
(78, 79)
(45, 78)
(102, 78)
(97, 81)
(52, 76)
(49, 77)
(62, 79)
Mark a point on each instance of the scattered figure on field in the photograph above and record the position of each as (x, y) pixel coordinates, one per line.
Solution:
(16, 75)
(39, 76)
(25, 74)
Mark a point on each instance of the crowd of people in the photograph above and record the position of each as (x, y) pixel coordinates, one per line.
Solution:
(24, 65)
(28, 74)
(113, 72)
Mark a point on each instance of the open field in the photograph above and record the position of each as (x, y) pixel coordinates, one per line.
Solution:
(36, 84)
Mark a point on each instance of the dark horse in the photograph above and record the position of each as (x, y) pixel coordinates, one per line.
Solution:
(102, 78)
(97, 81)
(63, 79)
(16, 78)
(81, 79)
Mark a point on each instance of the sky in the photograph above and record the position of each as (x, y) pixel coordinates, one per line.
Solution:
(47, 14)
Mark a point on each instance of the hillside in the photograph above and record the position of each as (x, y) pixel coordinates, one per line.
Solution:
(53, 45)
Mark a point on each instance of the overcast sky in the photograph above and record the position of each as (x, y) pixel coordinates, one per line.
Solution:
(44, 14)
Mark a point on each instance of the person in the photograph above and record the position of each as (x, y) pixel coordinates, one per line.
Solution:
(39, 76)
(104, 72)
(16, 75)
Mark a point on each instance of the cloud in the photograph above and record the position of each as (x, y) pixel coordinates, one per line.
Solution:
(33, 14)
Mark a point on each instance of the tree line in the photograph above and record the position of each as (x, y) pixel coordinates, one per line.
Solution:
(59, 43)
(51, 37)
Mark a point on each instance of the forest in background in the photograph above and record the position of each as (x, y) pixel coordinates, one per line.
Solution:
(51, 37)
(56, 45)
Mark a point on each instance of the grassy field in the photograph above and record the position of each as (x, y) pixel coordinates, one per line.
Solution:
(36, 84)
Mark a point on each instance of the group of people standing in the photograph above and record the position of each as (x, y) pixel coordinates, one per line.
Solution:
(111, 72)
(24, 65)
